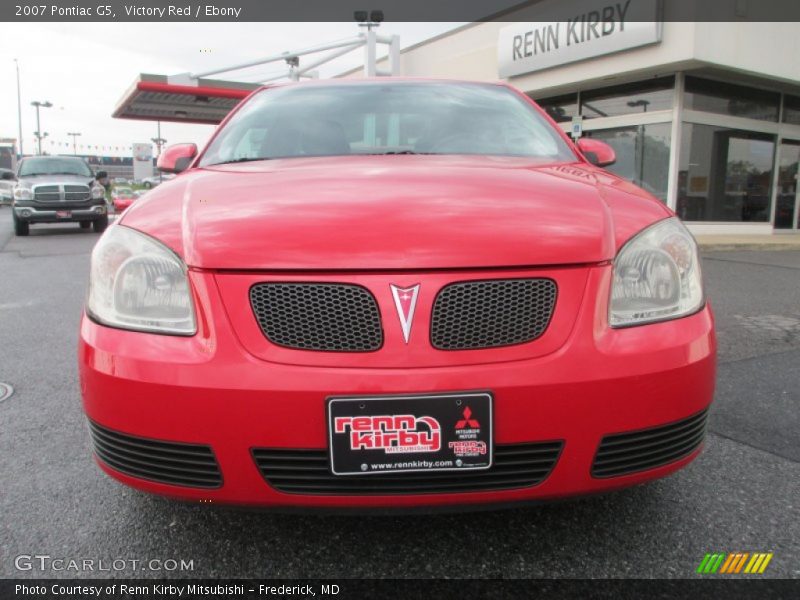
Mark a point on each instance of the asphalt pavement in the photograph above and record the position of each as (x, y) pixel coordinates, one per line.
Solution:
(741, 494)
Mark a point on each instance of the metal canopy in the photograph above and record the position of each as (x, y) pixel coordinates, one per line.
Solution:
(154, 98)
(191, 98)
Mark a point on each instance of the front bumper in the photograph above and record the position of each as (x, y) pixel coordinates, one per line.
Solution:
(34, 214)
(210, 390)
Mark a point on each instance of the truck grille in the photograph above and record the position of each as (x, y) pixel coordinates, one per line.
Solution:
(625, 453)
(189, 465)
(62, 193)
(307, 472)
(77, 193)
(47, 193)
(330, 317)
(488, 314)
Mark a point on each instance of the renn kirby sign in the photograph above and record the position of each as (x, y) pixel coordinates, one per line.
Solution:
(580, 29)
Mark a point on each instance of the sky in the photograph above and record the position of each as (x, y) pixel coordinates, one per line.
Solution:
(84, 69)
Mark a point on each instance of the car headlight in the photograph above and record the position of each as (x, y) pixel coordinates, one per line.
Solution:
(136, 282)
(656, 276)
(23, 193)
(98, 193)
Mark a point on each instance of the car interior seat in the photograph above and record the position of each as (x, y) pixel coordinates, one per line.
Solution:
(324, 138)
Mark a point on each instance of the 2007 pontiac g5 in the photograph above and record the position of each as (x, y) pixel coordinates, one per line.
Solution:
(394, 293)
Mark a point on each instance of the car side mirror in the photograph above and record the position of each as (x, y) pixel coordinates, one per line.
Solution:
(176, 158)
(7, 176)
(596, 152)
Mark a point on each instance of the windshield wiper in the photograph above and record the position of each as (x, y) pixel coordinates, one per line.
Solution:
(240, 160)
(399, 152)
(250, 159)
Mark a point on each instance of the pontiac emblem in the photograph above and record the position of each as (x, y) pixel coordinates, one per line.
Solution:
(405, 300)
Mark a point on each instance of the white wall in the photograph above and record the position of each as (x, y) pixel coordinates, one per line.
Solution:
(471, 53)
(763, 49)
(467, 53)
(674, 52)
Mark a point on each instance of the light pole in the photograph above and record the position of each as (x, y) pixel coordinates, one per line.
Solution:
(370, 21)
(159, 141)
(39, 135)
(74, 141)
(19, 109)
(636, 103)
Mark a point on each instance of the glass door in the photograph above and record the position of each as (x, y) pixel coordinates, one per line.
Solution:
(642, 154)
(787, 204)
(725, 174)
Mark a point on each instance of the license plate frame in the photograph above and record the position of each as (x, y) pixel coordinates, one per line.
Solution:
(465, 418)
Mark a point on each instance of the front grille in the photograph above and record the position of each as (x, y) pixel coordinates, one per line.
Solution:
(47, 193)
(329, 317)
(77, 193)
(625, 453)
(189, 465)
(488, 314)
(307, 472)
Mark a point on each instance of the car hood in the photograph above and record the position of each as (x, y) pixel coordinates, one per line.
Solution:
(31, 180)
(386, 212)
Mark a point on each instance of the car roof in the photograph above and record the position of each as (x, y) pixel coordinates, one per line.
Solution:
(61, 156)
(382, 81)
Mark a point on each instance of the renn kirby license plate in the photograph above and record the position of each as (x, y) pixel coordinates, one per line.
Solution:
(368, 435)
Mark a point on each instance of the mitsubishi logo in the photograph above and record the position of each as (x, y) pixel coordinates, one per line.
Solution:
(405, 300)
(467, 421)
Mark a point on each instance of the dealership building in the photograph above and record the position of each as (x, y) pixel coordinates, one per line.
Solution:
(704, 115)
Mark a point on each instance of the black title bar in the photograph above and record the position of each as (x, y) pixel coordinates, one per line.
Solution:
(407, 589)
(393, 10)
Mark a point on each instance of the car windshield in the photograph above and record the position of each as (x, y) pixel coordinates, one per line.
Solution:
(54, 165)
(386, 118)
(124, 192)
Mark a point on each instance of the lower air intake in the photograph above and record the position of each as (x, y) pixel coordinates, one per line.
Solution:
(188, 465)
(307, 472)
(626, 453)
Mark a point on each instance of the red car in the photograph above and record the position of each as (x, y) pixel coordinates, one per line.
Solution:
(122, 198)
(394, 293)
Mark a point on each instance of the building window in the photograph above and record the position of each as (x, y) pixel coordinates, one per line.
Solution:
(632, 98)
(725, 174)
(733, 100)
(786, 216)
(560, 108)
(791, 110)
(642, 155)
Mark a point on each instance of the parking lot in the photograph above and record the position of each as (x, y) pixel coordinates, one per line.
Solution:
(740, 495)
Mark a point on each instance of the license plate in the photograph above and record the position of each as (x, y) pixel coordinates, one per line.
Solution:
(369, 435)
(63, 214)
